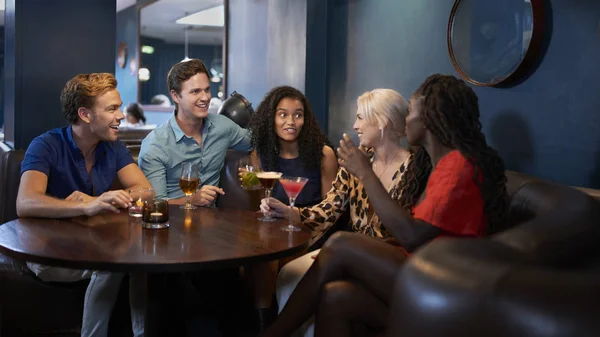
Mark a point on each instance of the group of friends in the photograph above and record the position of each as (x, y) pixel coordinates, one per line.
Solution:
(447, 182)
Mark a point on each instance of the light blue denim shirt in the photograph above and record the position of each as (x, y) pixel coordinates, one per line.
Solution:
(167, 147)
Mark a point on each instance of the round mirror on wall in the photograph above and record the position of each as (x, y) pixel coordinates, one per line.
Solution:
(492, 42)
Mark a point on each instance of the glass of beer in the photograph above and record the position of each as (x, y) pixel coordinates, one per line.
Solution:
(268, 180)
(189, 182)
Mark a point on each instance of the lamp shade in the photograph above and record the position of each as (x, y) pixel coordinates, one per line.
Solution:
(238, 109)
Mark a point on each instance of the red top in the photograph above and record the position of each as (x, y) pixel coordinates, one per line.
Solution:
(453, 201)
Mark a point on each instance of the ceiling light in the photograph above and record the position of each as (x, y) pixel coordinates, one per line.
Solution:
(144, 74)
(147, 49)
(209, 17)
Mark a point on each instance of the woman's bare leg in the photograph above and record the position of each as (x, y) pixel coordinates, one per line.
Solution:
(344, 256)
(345, 303)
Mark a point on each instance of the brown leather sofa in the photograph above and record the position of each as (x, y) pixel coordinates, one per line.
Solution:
(541, 278)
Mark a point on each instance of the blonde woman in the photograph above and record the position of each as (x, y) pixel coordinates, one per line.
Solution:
(380, 124)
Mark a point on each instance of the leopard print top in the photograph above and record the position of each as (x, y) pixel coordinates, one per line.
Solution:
(348, 190)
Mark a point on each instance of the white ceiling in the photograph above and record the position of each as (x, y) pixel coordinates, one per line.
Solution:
(158, 21)
(122, 4)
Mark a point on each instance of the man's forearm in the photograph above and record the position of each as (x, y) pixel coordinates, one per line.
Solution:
(48, 207)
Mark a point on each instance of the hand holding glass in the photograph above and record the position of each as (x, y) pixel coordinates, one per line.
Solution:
(292, 186)
(268, 180)
(248, 176)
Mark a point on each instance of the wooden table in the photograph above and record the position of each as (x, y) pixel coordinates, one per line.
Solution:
(200, 238)
(196, 239)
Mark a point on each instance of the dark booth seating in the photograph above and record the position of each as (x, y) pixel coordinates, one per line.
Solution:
(539, 278)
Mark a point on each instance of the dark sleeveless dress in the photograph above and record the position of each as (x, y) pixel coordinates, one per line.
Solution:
(311, 193)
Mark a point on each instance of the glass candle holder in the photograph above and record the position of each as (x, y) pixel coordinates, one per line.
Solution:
(139, 196)
(155, 214)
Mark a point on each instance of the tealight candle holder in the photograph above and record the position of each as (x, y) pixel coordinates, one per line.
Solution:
(155, 214)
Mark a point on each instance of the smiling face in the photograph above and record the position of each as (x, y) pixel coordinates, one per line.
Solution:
(369, 134)
(289, 119)
(415, 129)
(194, 98)
(106, 115)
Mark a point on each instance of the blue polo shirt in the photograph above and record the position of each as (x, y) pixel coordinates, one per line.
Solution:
(55, 154)
(165, 149)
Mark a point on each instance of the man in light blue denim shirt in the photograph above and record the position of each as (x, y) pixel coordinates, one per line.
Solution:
(190, 135)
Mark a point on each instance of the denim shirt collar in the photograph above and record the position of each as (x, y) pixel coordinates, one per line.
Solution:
(179, 133)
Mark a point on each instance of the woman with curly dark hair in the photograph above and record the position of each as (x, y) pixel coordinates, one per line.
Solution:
(380, 125)
(454, 185)
(287, 139)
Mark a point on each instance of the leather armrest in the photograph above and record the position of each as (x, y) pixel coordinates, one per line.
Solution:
(479, 287)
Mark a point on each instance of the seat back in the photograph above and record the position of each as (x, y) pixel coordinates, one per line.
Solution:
(235, 196)
(10, 178)
(554, 224)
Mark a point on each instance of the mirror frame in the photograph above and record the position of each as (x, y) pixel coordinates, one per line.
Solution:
(527, 62)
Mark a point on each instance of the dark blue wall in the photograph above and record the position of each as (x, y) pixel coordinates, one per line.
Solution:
(46, 44)
(127, 31)
(266, 47)
(1, 76)
(164, 57)
(548, 126)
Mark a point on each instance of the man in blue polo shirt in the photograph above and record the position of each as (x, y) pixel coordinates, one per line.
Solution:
(191, 135)
(67, 172)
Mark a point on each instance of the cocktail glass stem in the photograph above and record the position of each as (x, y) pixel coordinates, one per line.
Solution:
(291, 227)
(267, 216)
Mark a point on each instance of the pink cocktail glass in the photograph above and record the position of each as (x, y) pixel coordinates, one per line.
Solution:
(292, 187)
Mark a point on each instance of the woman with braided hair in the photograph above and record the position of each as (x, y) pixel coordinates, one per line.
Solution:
(454, 185)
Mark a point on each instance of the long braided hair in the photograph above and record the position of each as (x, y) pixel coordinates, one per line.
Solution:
(450, 110)
(265, 140)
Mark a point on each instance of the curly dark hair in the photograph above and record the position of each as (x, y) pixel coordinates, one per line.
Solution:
(450, 110)
(265, 140)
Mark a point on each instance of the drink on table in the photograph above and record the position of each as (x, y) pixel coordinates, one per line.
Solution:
(189, 186)
(189, 182)
(139, 195)
(268, 180)
(292, 187)
(155, 214)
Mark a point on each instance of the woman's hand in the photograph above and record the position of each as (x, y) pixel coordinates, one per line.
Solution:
(274, 207)
(241, 172)
(353, 159)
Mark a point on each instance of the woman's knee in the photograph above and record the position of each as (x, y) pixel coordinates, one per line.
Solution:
(336, 296)
(294, 270)
(344, 244)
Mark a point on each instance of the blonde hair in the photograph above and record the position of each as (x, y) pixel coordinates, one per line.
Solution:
(82, 91)
(384, 108)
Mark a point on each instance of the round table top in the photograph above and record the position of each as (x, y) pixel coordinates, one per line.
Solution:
(200, 238)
